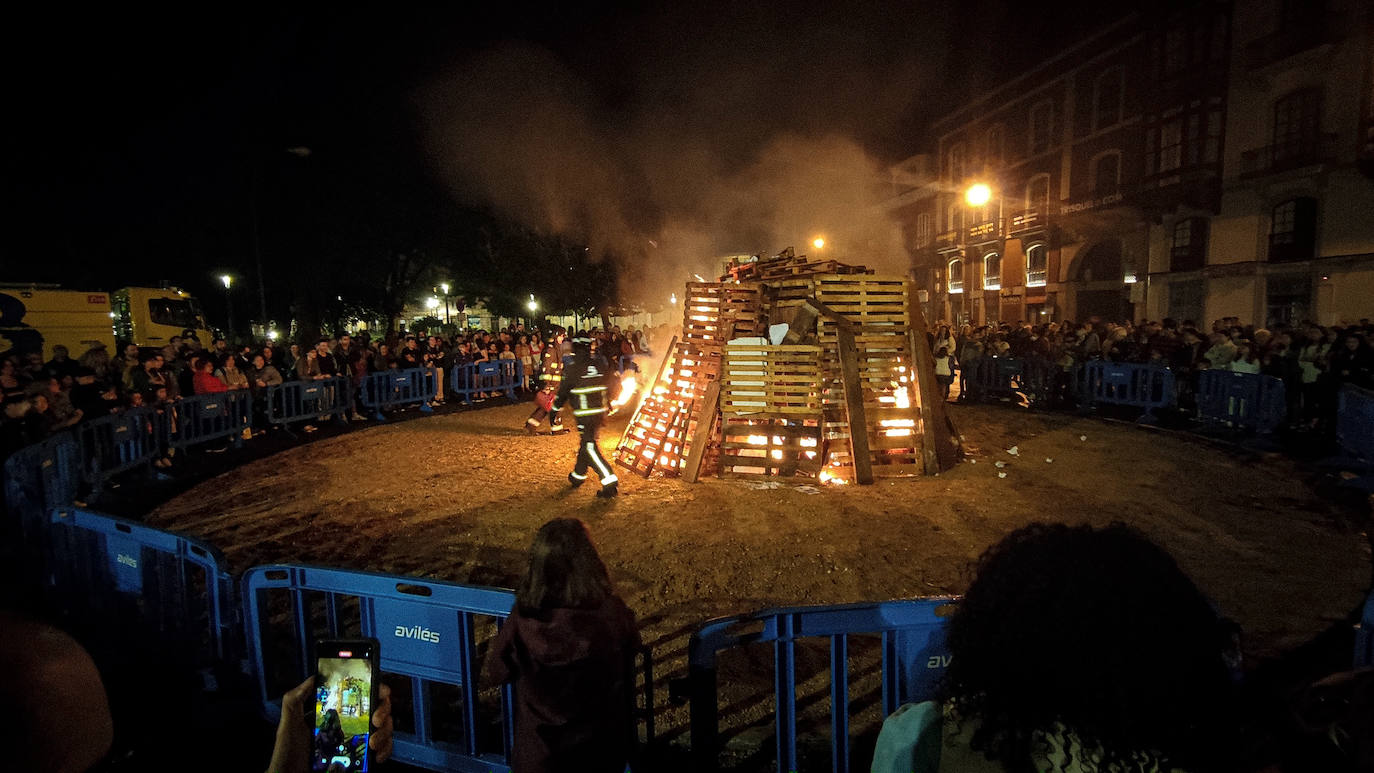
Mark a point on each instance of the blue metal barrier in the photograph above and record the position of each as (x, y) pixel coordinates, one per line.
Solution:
(1246, 401)
(37, 479)
(1118, 383)
(394, 388)
(1364, 635)
(294, 401)
(476, 378)
(122, 579)
(120, 442)
(1355, 421)
(911, 636)
(428, 631)
(993, 377)
(203, 418)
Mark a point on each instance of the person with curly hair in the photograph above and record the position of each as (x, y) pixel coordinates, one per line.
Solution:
(1082, 649)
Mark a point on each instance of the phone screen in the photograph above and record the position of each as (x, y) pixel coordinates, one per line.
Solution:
(343, 707)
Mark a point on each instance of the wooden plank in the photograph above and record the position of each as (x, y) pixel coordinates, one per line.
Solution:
(706, 422)
(939, 442)
(854, 407)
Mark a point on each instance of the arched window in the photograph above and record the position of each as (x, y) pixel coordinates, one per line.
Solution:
(1038, 193)
(992, 271)
(1041, 127)
(955, 165)
(1107, 173)
(956, 276)
(1037, 266)
(1108, 98)
(1293, 230)
(996, 153)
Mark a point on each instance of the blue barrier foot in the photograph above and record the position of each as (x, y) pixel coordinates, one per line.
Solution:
(378, 416)
(426, 408)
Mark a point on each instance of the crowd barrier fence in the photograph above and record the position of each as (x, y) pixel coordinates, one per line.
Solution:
(121, 442)
(38, 478)
(476, 378)
(993, 377)
(1355, 422)
(1246, 401)
(911, 637)
(120, 578)
(395, 388)
(295, 401)
(1364, 635)
(207, 417)
(1129, 384)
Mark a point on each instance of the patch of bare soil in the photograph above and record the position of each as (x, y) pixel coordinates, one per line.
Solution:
(458, 497)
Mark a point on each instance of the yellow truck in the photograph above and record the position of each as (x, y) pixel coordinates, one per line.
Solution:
(35, 318)
(150, 316)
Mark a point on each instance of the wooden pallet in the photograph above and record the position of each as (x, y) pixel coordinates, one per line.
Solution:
(716, 312)
(659, 436)
(771, 379)
(768, 445)
(866, 301)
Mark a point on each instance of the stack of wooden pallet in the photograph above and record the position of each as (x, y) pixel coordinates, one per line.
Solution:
(770, 411)
(787, 266)
(661, 435)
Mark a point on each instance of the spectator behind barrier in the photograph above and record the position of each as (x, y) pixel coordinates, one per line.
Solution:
(568, 647)
(1083, 649)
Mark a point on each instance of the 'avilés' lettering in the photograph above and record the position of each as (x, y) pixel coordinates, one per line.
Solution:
(418, 633)
(936, 661)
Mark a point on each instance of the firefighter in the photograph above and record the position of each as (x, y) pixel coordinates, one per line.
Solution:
(585, 387)
(552, 368)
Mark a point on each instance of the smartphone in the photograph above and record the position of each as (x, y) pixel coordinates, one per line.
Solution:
(345, 694)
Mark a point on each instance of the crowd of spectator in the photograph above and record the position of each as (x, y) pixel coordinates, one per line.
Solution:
(41, 398)
(1312, 360)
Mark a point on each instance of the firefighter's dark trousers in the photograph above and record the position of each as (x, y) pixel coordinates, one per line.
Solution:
(589, 454)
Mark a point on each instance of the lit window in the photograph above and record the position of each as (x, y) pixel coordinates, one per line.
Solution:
(992, 271)
(956, 276)
(1037, 269)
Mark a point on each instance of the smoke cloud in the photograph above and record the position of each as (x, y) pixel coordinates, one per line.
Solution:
(669, 140)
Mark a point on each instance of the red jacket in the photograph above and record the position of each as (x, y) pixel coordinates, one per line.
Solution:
(206, 383)
(574, 687)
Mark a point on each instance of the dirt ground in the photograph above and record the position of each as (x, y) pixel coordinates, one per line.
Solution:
(458, 497)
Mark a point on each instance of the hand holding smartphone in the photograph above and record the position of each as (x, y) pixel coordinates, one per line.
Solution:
(345, 696)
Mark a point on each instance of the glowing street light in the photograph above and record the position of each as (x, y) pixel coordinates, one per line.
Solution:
(532, 305)
(978, 194)
(227, 280)
(431, 302)
(673, 299)
(444, 286)
(228, 302)
(818, 242)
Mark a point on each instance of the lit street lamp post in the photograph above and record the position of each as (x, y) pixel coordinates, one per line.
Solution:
(228, 302)
(444, 286)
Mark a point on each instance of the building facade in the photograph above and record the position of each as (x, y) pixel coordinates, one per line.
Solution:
(1122, 184)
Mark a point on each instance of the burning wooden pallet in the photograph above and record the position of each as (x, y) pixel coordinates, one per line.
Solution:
(746, 408)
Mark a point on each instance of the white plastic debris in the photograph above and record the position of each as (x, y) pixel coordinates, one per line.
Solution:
(1001, 475)
(1000, 465)
(808, 489)
(972, 461)
(1082, 437)
(1014, 450)
(1048, 460)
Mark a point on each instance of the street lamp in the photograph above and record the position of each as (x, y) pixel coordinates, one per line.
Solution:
(978, 195)
(818, 242)
(431, 303)
(228, 300)
(444, 286)
(532, 305)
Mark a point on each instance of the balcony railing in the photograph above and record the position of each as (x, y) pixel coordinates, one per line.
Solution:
(947, 240)
(985, 231)
(1292, 154)
(1312, 31)
(1026, 220)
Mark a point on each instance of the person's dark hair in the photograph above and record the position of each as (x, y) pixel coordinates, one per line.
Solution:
(565, 571)
(1097, 630)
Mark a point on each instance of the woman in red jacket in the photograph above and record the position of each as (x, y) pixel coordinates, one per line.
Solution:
(203, 380)
(568, 647)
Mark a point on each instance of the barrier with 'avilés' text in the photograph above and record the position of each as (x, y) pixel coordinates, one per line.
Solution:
(295, 401)
(207, 417)
(1143, 386)
(910, 633)
(395, 388)
(475, 379)
(1245, 401)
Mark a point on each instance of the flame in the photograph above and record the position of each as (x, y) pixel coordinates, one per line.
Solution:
(757, 440)
(628, 387)
(777, 453)
(904, 399)
(826, 478)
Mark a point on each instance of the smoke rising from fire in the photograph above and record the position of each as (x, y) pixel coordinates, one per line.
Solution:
(671, 142)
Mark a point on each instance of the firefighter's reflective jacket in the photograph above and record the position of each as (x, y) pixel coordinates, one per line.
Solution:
(552, 366)
(586, 387)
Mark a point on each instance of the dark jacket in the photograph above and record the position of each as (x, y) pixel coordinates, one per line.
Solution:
(586, 385)
(574, 686)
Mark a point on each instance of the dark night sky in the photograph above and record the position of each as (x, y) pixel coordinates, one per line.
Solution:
(133, 138)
